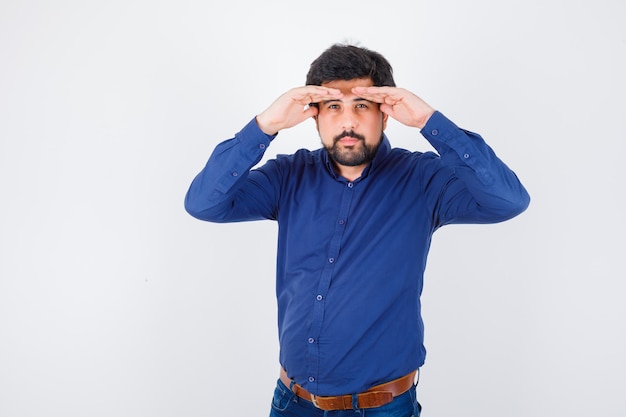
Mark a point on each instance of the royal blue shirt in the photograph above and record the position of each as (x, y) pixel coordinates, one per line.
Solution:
(351, 254)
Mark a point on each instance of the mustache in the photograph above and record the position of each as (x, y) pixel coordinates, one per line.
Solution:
(349, 134)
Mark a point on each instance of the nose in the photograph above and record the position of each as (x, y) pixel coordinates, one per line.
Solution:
(348, 119)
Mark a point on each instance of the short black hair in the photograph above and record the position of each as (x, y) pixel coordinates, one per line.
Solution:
(348, 62)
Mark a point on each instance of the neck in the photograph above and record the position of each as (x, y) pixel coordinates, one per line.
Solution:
(349, 172)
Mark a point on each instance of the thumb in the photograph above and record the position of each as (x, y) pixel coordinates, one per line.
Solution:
(386, 108)
(311, 111)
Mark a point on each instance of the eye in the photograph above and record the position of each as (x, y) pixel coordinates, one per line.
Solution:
(333, 106)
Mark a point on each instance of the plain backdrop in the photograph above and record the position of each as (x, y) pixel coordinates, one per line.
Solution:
(115, 302)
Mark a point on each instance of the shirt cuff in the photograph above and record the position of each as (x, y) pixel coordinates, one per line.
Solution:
(468, 147)
(253, 140)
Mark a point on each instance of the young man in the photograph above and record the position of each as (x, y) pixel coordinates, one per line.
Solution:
(355, 220)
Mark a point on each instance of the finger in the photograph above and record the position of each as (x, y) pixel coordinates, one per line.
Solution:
(374, 90)
(378, 94)
(386, 108)
(316, 98)
(317, 91)
(327, 94)
(375, 96)
(310, 112)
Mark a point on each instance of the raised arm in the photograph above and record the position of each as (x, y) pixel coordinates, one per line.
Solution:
(227, 189)
(477, 186)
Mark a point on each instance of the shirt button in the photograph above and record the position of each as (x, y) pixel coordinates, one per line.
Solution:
(331, 260)
(466, 155)
(342, 221)
(319, 297)
(235, 173)
(350, 185)
(262, 146)
(434, 132)
(311, 340)
(311, 379)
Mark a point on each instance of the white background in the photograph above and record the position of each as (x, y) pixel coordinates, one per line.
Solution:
(115, 302)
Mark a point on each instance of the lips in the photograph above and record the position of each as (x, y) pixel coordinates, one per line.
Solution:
(349, 141)
(349, 138)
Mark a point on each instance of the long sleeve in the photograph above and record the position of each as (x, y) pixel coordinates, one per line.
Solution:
(336, 235)
(482, 188)
(225, 190)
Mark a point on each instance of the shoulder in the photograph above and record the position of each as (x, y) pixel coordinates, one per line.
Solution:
(298, 162)
(397, 155)
(299, 157)
(409, 164)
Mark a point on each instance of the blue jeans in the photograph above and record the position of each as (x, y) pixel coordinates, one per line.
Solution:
(286, 404)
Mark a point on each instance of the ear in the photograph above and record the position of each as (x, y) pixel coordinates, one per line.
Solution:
(385, 117)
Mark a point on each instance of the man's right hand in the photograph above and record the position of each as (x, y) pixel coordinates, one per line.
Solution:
(292, 108)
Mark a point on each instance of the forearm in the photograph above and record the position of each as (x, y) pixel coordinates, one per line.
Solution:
(215, 190)
(496, 192)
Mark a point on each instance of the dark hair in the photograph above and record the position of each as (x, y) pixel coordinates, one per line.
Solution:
(347, 62)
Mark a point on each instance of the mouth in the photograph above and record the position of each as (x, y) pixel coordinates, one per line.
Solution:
(349, 141)
(349, 138)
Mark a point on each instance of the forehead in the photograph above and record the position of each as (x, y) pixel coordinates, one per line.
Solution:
(345, 86)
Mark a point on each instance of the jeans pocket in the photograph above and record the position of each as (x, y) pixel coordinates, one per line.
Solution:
(417, 408)
(282, 397)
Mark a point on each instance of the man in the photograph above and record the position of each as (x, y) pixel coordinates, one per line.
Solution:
(355, 220)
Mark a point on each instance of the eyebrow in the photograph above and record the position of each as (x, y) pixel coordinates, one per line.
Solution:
(356, 99)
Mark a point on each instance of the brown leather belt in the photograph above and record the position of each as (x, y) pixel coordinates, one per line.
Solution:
(374, 397)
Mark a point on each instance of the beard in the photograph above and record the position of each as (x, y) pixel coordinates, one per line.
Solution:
(358, 154)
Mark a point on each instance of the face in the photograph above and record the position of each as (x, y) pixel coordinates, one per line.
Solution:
(350, 128)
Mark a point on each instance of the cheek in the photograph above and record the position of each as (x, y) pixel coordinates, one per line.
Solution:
(324, 128)
(326, 138)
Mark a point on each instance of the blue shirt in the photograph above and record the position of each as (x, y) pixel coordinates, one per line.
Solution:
(351, 255)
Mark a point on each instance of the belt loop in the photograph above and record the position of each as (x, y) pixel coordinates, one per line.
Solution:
(355, 401)
(294, 394)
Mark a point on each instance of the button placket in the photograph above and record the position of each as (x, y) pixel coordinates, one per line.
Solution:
(317, 315)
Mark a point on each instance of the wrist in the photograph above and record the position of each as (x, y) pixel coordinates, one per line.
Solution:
(421, 122)
(266, 127)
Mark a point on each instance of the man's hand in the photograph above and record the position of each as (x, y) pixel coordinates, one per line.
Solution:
(401, 104)
(292, 108)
